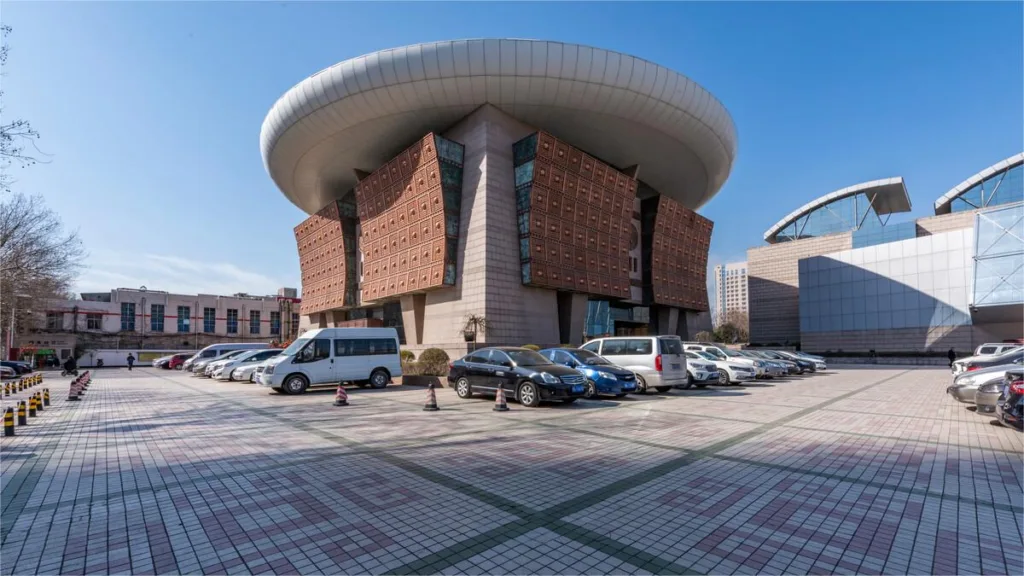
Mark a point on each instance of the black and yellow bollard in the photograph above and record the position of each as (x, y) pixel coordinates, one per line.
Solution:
(7, 389)
(17, 387)
(9, 422)
(31, 406)
(46, 396)
(22, 419)
(39, 401)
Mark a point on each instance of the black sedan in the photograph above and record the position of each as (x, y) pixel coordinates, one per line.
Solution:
(18, 367)
(1010, 408)
(525, 376)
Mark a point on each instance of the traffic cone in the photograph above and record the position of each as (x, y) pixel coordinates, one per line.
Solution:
(341, 398)
(22, 419)
(431, 405)
(499, 400)
(9, 422)
(46, 396)
(73, 393)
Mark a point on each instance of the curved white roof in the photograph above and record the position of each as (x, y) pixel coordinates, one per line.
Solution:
(943, 204)
(361, 112)
(890, 195)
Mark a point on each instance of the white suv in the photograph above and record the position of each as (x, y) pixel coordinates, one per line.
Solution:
(658, 361)
(760, 366)
(728, 372)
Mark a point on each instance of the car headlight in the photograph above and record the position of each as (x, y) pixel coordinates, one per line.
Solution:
(549, 378)
(268, 370)
(966, 381)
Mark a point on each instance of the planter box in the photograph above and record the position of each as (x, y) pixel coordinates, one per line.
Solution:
(437, 381)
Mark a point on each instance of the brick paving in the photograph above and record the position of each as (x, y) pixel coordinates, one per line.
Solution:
(867, 471)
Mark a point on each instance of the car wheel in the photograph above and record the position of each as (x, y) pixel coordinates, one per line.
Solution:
(230, 379)
(252, 378)
(591, 391)
(723, 378)
(528, 395)
(295, 384)
(662, 389)
(463, 389)
(689, 380)
(379, 378)
(641, 385)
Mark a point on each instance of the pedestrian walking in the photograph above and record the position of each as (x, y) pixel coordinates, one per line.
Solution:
(952, 356)
(131, 361)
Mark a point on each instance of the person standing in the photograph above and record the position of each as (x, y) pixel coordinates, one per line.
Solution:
(131, 361)
(952, 356)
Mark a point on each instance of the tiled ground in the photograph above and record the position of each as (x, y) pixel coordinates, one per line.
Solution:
(855, 471)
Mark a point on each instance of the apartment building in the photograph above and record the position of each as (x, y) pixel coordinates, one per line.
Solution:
(730, 290)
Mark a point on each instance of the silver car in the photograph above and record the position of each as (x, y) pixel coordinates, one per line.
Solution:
(658, 361)
(965, 386)
(987, 397)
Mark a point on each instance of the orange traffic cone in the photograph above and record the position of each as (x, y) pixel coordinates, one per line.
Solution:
(499, 400)
(431, 405)
(341, 398)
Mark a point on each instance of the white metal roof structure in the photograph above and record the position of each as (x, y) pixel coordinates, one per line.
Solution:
(944, 204)
(359, 113)
(887, 196)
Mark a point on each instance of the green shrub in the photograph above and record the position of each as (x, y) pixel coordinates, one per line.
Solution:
(433, 362)
(533, 347)
(407, 355)
(567, 346)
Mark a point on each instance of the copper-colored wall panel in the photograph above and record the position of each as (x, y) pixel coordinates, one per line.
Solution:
(573, 204)
(402, 208)
(321, 247)
(679, 256)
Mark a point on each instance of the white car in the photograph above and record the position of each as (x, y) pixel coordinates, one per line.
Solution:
(7, 372)
(700, 370)
(205, 368)
(224, 370)
(993, 348)
(960, 365)
(247, 372)
(760, 366)
(728, 372)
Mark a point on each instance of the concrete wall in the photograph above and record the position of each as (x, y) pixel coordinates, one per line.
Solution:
(773, 280)
(945, 223)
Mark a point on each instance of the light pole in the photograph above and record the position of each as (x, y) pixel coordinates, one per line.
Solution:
(14, 314)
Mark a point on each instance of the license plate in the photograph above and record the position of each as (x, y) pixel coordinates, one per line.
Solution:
(676, 367)
(577, 388)
(629, 386)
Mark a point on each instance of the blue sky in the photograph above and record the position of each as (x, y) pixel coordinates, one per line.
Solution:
(151, 111)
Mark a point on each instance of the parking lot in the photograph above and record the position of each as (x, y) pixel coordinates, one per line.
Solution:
(853, 471)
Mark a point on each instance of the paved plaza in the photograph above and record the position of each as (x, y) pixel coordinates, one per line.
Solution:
(854, 471)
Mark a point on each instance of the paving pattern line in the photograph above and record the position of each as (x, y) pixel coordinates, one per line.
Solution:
(546, 517)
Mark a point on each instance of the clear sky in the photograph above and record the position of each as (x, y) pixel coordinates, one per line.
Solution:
(151, 111)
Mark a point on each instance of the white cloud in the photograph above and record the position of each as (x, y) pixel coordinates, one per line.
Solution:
(107, 270)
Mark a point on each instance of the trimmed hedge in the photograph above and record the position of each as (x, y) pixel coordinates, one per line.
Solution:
(407, 355)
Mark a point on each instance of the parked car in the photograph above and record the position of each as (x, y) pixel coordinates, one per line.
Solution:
(728, 372)
(525, 375)
(972, 363)
(819, 363)
(792, 365)
(772, 367)
(18, 366)
(224, 370)
(657, 361)
(1010, 411)
(177, 361)
(603, 377)
(993, 348)
(327, 356)
(988, 396)
(966, 384)
(7, 372)
(804, 365)
(214, 350)
(203, 367)
(702, 372)
(247, 372)
(162, 361)
(722, 353)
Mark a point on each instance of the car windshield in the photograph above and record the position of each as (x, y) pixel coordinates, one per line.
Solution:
(295, 347)
(527, 358)
(589, 358)
(706, 356)
(731, 353)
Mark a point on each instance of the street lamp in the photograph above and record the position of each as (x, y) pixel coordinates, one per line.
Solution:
(14, 314)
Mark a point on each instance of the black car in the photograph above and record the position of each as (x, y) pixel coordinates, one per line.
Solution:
(18, 367)
(804, 364)
(1010, 407)
(525, 375)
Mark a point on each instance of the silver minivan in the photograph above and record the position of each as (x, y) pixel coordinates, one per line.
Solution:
(658, 361)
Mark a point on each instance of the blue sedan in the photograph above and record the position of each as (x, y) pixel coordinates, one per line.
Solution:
(603, 377)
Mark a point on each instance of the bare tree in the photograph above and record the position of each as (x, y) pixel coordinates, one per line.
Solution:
(39, 260)
(15, 134)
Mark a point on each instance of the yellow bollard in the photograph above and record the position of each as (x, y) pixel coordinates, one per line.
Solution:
(46, 396)
(31, 406)
(22, 420)
(9, 422)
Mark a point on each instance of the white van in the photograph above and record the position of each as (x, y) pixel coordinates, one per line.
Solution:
(658, 361)
(328, 356)
(214, 350)
(993, 349)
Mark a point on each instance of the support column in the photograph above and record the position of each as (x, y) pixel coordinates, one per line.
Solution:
(572, 315)
(413, 307)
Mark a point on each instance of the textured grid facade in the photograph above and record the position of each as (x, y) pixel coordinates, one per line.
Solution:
(574, 216)
(321, 245)
(409, 214)
(679, 256)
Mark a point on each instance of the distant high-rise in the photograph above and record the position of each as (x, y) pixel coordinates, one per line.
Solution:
(730, 290)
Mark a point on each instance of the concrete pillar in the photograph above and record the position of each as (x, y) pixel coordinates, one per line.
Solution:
(413, 307)
(572, 315)
(666, 320)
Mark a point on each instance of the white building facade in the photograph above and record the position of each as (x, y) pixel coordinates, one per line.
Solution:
(730, 290)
